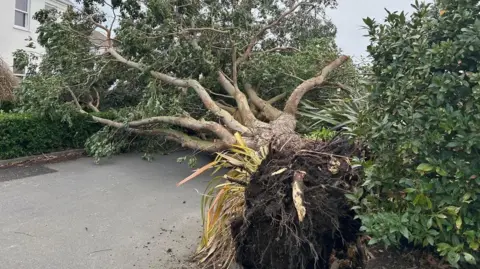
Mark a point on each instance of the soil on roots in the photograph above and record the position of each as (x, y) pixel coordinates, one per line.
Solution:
(270, 235)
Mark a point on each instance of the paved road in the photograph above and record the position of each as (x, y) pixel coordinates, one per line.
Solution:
(124, 213)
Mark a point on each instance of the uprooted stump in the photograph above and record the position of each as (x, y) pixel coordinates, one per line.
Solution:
(272, 234)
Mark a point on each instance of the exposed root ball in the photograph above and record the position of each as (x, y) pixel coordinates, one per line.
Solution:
(272, 235)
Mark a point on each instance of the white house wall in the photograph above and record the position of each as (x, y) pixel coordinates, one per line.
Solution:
(12, 37)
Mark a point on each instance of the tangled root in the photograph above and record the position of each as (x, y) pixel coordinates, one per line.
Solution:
(275, 232)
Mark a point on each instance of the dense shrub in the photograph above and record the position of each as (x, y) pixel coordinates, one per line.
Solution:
(423, 128)
(24, 134)
(6, 106)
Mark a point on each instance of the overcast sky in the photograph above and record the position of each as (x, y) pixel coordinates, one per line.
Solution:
(348, 19)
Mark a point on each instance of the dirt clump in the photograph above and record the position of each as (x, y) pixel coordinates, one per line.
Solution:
(271, 235)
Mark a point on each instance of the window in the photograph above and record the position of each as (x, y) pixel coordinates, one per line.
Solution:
(21, 13)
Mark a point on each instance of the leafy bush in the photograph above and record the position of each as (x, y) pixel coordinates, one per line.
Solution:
(423, 128)
(6, 106)
(25, 134)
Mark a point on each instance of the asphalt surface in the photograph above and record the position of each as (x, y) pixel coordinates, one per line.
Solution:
(122, 213)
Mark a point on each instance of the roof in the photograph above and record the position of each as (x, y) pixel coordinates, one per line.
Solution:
(99, 39)
(66, 2)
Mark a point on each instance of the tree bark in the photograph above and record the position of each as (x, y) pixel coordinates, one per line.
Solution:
(280, 127)
(292, 103)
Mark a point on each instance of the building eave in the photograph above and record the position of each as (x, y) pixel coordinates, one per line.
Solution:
(66, 2)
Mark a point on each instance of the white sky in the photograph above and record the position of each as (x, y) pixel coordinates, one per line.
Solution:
(348, 18)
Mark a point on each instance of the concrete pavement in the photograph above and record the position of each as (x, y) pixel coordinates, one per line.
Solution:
(123, 213)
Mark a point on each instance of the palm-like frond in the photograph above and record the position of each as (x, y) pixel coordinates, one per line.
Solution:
(341, 112)
(223, 201)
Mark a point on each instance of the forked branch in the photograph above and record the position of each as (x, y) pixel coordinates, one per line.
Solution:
(267, 109)
(242, 102)
(202, 93)
(292, 103)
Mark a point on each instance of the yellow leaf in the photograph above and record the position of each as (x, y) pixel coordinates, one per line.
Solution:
(240, 140)
(231, 160)
(196, 173)
(442, 12)
(279, 171)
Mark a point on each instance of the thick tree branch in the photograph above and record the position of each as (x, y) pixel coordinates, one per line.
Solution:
(75, 100)
(277, 98)
(202, 93)
(189, 123)
(92, 107)
(264, 29)
(172, 135)
(280, 49)
(234, 66)
(246, 113)
(268, 110)
(292, 103)
(97, 102)
(230, 109)
(107, 30)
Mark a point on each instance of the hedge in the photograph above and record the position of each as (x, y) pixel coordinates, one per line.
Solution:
(24, 134)
(423, 128)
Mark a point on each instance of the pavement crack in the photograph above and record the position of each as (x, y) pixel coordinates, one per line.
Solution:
(24, 234)
(101, 250)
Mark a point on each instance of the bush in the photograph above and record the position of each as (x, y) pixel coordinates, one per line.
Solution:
(6, 106)
(423, 128)
(24, 134)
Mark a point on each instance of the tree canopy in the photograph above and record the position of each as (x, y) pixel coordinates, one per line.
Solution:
(240, 59)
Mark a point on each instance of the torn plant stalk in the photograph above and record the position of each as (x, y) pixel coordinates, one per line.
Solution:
(297, 193)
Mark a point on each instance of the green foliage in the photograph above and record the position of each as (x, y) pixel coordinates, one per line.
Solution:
(423, 129)
(339, 104)
(156, 36)
(322, 134)
(275, 73)
(6, 106)
(25, 134)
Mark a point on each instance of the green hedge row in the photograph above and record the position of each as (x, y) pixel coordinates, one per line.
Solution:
(23, 134)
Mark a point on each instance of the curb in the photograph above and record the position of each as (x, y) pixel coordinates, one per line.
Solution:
(43, 158)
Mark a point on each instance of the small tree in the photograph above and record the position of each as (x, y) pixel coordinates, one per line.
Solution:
(198, 65)
(423, 129)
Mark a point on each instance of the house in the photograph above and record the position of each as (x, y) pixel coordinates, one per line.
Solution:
(17, 25)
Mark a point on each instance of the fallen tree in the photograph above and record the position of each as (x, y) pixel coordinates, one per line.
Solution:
(220, 69)
(84, 75)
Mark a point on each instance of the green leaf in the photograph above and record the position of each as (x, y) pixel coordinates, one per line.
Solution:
(373, 241)
(469, 258)
(474, 245)
(429, 223)
(429, 202)
(430, 240)
(453, 258)
(452, 210)
(404, 232)
(425, 167)
(452, 145)
(410, 190)
(441, 172)
(458, 223)
(351, 197)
